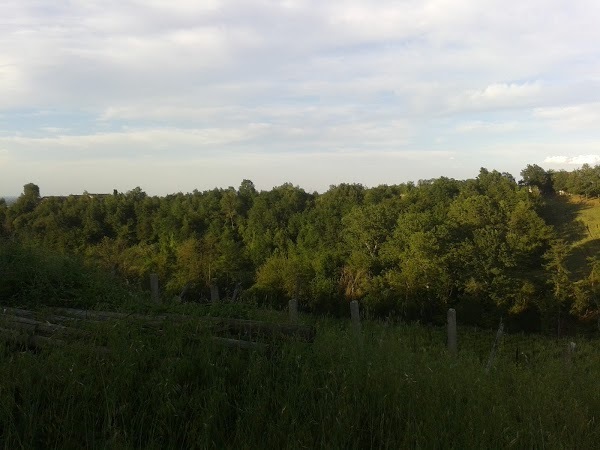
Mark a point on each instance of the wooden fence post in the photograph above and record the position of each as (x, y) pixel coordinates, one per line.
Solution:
(293, 310)
(570, 352)
(355, 315)
(452, 335)
(154, 287)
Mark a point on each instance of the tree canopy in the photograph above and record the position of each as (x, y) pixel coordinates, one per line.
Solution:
(411, 250)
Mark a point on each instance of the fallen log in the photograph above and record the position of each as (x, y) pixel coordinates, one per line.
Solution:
(37, 327)
(243, 327)
(54, 322)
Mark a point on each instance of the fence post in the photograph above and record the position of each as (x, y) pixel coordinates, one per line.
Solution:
(495, 346)
(452, 336)
(570, 352)
(355, 315)
(214, 292)
(293, 310)
(154, 287)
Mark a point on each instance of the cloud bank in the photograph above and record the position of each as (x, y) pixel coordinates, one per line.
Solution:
(574, 160)
(150, 82)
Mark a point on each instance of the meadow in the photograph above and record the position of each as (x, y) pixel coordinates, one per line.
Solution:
(398, 387)
(577, 221)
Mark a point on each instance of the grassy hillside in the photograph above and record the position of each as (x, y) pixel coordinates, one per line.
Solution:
(577, 220)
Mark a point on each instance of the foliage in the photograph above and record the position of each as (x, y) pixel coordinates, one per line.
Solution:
(409, 250)
(34, 277)
(534, 176)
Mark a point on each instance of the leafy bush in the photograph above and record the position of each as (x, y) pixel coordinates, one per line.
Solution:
(34, 276)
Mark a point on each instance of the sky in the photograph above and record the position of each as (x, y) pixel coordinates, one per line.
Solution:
(177, 95)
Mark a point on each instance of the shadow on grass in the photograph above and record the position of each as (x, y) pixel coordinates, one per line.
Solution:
(577, 262)
(562, 213)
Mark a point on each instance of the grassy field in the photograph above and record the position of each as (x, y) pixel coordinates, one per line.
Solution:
(589, 244)
(398, 389)
(577, 220)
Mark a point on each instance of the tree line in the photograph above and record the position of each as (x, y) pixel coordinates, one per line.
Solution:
(583, 181)
(482, 246)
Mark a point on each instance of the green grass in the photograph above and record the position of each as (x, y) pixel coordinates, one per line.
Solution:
(589, 244)
(400, 390)
(577, 220)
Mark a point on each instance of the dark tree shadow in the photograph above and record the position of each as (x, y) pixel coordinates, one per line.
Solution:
(561, 212)
(577, 261)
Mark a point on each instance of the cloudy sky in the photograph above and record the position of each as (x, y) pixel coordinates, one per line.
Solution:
(176, 95)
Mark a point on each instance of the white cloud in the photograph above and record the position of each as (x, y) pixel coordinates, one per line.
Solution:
(573, 117)
(574, 160)
(11, 79)
(479, 126)
(181, 6)
(181, 77)
(186, 49)
(4, 156)
(498, 96)
(54, 130)
(244, 137)
(132, 142)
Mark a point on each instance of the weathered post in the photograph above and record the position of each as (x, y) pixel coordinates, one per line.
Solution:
(214, 292)
(355, 315)
(495, 346)
(293, 310)
(154, 287)
(570, 352)
(452, 335)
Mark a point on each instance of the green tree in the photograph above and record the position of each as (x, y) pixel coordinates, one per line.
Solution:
(3, 216)
(534, 175)
(230, 206)
(558, 279)
(587, 298)
(28, 200)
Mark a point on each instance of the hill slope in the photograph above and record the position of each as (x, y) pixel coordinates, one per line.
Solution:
(577, 221)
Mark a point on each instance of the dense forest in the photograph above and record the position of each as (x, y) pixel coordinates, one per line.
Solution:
(489, 246)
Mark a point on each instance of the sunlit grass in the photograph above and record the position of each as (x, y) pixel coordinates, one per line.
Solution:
(577, 220)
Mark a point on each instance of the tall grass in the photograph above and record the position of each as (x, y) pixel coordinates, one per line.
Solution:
(400, 390)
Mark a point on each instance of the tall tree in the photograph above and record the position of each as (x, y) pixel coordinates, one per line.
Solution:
(534, 175)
